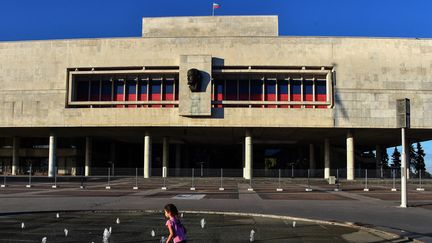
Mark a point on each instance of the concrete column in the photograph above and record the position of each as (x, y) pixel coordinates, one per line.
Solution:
(52, 160)
(326, 158)
(378, 157)
(404, 170)
(350, 156)
(312, 164)
(248, 156)
(165, 157)
(88, 156)
(15, 155)
(408, 158)
(178, 160)
(147, 156)
(243, 157)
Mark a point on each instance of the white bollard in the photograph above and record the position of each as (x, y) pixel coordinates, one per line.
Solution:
(308, 189)
(193, 175)
(108, 187)
(366, 189)
(221, 188)
(164, 172)
(4, 180)
(250, 185)
(279, 189)
(420, 187)
(394, 181)
(136, 180)
(29, 184)
(55, 178)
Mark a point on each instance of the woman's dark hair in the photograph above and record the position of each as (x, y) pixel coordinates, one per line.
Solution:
(171, 208)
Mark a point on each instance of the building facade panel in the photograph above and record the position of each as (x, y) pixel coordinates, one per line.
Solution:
(369, 75)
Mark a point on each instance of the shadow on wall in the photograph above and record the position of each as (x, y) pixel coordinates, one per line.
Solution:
(205, 81)
(340, 110)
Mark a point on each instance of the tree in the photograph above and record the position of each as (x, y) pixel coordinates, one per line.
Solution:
(420, 164)
(396, 161)
(412, 157)
(384, 159)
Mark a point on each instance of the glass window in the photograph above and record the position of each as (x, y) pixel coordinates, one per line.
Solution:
(106, 90)
(155, 91)
(82, 91)
(94, 90)
(231, 89)
(295, 92)
(270, 92)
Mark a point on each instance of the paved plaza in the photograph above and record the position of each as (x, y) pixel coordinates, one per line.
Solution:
(377, 208)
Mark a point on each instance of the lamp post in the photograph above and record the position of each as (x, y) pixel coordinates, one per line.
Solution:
(403, 122)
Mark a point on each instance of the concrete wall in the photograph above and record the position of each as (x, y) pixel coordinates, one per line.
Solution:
(371, 73)
(210, 26)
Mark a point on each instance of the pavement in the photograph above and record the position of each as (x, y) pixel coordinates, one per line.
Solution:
(378, 208)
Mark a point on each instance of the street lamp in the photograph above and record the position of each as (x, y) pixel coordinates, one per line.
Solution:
(403, 122)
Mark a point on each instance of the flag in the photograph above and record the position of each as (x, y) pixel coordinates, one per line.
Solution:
(216, 5)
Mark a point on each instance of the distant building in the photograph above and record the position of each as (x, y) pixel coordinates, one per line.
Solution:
(258, 100)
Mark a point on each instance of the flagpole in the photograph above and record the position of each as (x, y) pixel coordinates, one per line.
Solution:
(212, 10)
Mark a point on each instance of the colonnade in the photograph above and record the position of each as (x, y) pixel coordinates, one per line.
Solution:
(247, 156)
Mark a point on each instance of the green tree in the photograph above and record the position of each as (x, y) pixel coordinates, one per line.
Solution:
(412, 157)
(420, 164)
(384, 159)
(396, 160)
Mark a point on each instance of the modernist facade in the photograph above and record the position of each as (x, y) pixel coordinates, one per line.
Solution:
(223, 92)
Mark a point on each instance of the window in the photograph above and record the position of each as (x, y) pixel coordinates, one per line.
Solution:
(125, 90)
(272, 89)
(296, 91)
(283, 92)
(270, 92)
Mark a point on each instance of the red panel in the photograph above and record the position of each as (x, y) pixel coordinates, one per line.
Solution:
(321, 97)
(169, 96)
(142, 92)
(219, 97)
(295, 97)
(219, 92)
(283, 97)
(131, 97)
(143, 97)
(155, 97)
(308, 97)
(256, 97)
(271, 97)
(119, 97)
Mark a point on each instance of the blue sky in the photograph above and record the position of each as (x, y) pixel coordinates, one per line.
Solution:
(63, 19)
(59, 19)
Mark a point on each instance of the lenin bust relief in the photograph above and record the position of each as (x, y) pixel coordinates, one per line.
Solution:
(194, 79)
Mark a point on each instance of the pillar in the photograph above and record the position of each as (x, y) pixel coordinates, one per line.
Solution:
(52, 160)
(147, 156)
(408, 157)
(247, 174)
(243, 157)
(165, 157)
(312, 164)
(326, 158)
(378, 157)
(15, 155)
(404, 170)
(88, 156)
(350, 156)
(178, 159)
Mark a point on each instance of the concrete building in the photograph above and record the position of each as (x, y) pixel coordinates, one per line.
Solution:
(258, 100)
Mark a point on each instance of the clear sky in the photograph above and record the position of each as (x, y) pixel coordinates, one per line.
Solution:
(63, 19)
